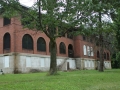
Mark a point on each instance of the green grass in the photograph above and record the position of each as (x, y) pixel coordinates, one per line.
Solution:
(75, 80)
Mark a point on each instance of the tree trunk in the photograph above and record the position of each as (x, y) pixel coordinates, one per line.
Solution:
(101, 68)
(53, 63)
(101, 41)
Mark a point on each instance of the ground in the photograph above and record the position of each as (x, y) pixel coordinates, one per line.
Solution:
(73, 80)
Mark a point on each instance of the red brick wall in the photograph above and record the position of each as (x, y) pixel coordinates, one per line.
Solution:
(6, 29)
(16, 32)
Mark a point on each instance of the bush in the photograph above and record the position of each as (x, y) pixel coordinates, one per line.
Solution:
(116, 60)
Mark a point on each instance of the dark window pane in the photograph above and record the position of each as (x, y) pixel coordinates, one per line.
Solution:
(6, 41)
(41, 44)
(104, 55)
(84, 38)
(6, 21)
(97, 43)
(107, 56)
(27, 42)
(70, 51)
(98, 55)
(69, 36)
(62, 48)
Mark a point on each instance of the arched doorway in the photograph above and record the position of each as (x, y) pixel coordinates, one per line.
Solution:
(70, 51)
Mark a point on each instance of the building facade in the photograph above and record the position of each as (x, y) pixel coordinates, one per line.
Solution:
(23, 50)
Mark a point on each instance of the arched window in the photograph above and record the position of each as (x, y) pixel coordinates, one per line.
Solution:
(104, 55)
(41, 44)
(84, 50)
(98, 54)
(88, 51)
(107, 56)
(91, 50)
(6, 41)
(70, 51)
(27, 42)
(62, 48)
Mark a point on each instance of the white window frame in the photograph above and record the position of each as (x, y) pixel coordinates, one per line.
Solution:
(85, 63)
(88, 51)
(42, 61)
(91, 50)
(6, 61)
(84, 50)
(28, 61)
(89, 63)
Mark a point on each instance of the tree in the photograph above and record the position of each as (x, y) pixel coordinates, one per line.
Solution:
(115, 15)
(99, 27)
(53, 17)
(58, 17)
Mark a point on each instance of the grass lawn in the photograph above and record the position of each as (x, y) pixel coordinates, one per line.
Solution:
(75, 80)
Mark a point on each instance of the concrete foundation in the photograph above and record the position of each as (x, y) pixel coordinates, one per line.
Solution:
(25, 63)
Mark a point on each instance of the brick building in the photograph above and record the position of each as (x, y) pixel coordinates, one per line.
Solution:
(23, 50)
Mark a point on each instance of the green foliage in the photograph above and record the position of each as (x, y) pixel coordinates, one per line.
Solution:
(118, 59)
(82, 14)
(7, 9)
(62, 15)
(75, 80)
(116, 26)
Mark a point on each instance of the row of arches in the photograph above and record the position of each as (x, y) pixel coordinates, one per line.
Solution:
(27, 43)
(106, 55)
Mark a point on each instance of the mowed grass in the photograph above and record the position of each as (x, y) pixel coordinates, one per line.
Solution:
(74, 80)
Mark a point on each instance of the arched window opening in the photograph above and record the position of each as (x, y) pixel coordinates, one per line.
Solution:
(84, 50)
(6, 41)
(91, 50)
(88, 51)
(41, 44)
(104, 55)
(107, 56)
(70, 51)
(98, 54)
(62, 48)
(27, 42)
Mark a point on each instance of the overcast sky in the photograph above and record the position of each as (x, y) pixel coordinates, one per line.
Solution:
(27, 2)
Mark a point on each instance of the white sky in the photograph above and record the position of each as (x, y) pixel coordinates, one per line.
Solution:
(27, 2)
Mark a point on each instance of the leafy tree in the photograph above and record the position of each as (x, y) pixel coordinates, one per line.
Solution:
(99, 27)
(115, 15)
(117, 60)
(117, 27)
